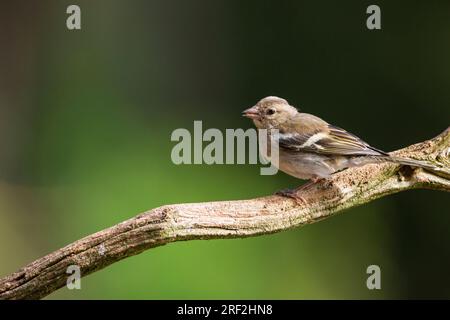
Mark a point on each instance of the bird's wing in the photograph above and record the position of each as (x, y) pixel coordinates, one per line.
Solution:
(332, 140)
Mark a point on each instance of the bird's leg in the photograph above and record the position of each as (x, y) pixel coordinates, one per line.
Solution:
(291, 193)
(308, 184)
(294, 193)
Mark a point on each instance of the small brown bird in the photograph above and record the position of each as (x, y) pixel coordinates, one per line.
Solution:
(310, 148)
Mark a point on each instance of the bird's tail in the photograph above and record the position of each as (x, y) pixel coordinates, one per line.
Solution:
(414, 163)
(439, 170)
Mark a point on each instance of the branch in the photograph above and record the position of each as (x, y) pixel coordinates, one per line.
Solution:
(229, 219)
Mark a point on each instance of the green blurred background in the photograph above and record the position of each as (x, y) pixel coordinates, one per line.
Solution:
(86, 118)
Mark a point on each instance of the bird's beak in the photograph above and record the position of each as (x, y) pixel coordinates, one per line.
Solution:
(251, 113)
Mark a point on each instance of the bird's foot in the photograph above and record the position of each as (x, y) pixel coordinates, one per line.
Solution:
(293, 194)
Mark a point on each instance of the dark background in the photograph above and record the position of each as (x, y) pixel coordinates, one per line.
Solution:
(86, 118)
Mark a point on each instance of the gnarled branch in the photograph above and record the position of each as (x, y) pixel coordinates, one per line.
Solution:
(229, 219)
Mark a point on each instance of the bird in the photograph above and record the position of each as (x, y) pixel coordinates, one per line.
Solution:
(311, 148)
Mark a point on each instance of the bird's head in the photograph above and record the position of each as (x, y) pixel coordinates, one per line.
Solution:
(270, 113)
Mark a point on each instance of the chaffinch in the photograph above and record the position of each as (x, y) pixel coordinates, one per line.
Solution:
(310, 148)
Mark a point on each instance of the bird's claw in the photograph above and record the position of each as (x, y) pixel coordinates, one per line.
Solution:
(293, 194)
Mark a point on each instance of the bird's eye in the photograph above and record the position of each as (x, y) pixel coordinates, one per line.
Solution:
(270, 111)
